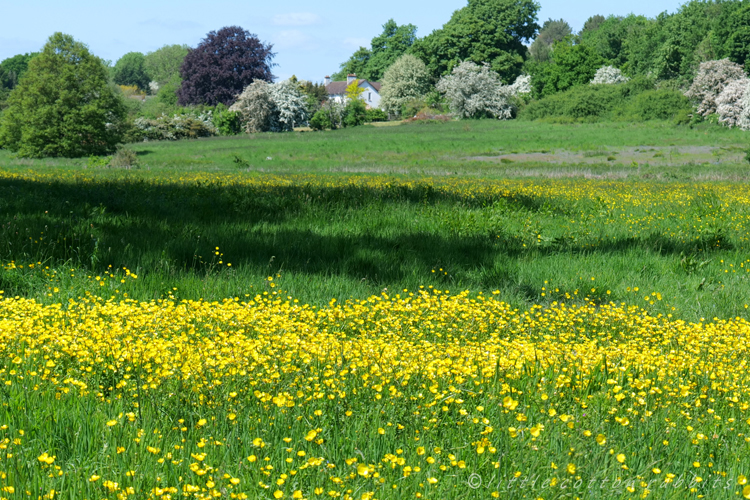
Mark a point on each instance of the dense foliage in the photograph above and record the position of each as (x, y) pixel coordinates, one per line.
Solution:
(384, 50)
(271, 107)
(484, 31)
(552, 32)
(407, 79)
(636, 100)
(163, 65)
(474, 91)
(63, 106)
(11, 71)
(130, 69)
(223, 65)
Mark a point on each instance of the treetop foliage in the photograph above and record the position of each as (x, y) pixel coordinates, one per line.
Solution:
(484, 31)
(223, 65)
(385, 48)
(405, 80)
(163, 65)
(130, 69)
(63, 106)
(552, 31)
(13, 68)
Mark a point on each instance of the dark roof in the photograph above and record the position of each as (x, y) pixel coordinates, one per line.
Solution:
(339, 88)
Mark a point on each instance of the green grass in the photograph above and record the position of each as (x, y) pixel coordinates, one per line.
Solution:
(330, 235)
(369, 212)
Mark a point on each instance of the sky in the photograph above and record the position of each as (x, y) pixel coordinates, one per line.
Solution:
(311, 39)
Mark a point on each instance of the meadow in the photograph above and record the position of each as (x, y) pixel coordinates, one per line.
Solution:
(375, 313)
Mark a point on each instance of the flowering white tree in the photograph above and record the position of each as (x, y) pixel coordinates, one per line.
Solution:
(743, 121)
(475, 91)
(711, 80)
(274, 107)
(522, 85)
(729, 102)
(290, 106)
(609, 75)
(405, 80)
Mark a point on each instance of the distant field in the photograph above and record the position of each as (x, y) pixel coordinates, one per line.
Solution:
(415, 311)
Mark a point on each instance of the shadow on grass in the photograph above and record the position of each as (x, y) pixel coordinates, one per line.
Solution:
(170, 228)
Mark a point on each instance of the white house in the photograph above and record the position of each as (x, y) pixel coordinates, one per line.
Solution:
(370, 94)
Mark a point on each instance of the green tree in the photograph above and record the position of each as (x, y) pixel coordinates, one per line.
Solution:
(491, 31)
(593, 23)
(163, 65)
(13, 68)
(385, 48)
(63, 106)
(406, 80)
(572, 64)
(130, 69)
(738, 44)
(552, 31)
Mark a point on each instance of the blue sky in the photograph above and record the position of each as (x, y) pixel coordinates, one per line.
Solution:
(311, 39)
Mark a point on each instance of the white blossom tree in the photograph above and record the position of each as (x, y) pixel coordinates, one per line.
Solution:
(522, 85)
(290, 106)
(729, 102)
(609, 75)
(405, 80)
(711, 80)
(274, 107)
(743, 121)
(475, 91)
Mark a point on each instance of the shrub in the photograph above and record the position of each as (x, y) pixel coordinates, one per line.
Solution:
(274, 107)
(728, 105)
(355, 113)
(124, 158)
(321, 120)
(475, 91)
(661, 104)
(375, 115)
(609, 75)
(709, 83)
(225, 121)
(582, 102)
(175, 127)
(744, 120)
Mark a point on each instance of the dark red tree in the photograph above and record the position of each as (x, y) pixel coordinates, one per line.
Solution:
(223, 64)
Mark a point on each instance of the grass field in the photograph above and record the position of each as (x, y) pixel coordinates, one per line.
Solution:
(374, 313)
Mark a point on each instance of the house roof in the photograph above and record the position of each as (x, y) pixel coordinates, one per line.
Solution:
(339, 88)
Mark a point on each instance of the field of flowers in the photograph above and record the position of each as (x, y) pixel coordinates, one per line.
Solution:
(261, 336)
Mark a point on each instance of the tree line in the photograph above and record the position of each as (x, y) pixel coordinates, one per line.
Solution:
(490, 59)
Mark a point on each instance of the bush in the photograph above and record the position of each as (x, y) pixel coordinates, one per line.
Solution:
(375, 115)
(226, 122)
(321, 120)
(355, 113)
(659, 104)
(578, 103)
(124, 158)
(475, 91)
(709, 83)
(175, 127)
(274, 107)
(728, 104)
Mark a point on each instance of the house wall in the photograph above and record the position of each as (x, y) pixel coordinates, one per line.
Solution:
(370, 96)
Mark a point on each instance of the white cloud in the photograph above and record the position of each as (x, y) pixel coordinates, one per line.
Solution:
(296, 19)
(293, 39)
(356, 43)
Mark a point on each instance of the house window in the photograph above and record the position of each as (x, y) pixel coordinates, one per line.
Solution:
(369, 96)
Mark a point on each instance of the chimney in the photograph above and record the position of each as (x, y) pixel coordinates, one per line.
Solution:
(350, 78)
(328, 80)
